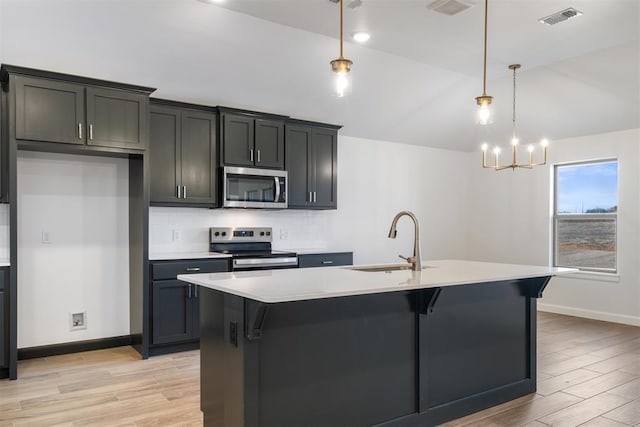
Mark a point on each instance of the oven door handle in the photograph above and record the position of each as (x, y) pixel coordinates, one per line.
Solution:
(277, 180)
(245, 263)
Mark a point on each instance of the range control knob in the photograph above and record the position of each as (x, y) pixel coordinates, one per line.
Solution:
(268, 233)
(224, 233)
(217, 233)
(262, 233)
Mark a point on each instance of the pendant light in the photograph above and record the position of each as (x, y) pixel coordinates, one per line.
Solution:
(341, 67)
(484, 115)
(514, 142)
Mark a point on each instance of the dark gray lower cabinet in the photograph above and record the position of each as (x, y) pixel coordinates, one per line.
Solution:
(325, 260)
(4, 323)
(175, 304)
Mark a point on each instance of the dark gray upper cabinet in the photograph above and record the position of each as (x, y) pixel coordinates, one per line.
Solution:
(238, 140)
(60, 108)
(164, 154)
(116, 118)
(312, 164)
(182, 155)
(269, 145)
(49, 110)
(253, 142)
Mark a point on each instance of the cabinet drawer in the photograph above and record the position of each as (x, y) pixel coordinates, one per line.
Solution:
(325, 260)
(170, 269)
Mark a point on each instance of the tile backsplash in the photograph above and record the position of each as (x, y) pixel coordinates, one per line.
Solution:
(182, 230)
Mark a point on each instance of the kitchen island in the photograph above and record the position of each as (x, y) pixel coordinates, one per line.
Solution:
(366, 346)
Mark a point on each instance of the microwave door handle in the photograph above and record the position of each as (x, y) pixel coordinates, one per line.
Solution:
(277, 180)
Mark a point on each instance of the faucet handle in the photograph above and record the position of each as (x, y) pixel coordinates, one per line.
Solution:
(409, 259)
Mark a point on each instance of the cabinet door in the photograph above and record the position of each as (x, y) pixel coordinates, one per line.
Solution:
(164, 154)
(195, 309)
(298, 151)
(49, 110)
(117, 118)
(237, 140)
(325, 168)
(3, 332)
(269, 144)
(172, 312)
(198, 148)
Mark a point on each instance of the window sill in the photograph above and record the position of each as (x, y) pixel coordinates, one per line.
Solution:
(594, 275)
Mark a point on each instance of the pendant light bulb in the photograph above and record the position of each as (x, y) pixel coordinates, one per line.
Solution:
(484, 115)
(341, 67)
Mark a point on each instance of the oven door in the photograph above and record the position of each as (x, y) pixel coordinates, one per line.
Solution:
(254, 188)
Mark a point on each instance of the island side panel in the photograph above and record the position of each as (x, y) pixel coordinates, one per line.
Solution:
(477, 348)
(338, 362)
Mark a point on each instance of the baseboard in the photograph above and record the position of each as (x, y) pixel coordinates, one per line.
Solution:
(590, 314)
(73, 347)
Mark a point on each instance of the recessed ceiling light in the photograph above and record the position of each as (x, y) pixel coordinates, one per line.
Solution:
(361, 37)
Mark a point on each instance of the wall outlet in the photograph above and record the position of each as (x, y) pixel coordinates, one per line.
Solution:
(46, 237)
(78, 321)
(284, 234)
(176, 235)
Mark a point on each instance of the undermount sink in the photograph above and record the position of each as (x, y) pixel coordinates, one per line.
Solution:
(385, 268)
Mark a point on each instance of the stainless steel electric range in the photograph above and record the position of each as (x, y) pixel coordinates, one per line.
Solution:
(250, 248)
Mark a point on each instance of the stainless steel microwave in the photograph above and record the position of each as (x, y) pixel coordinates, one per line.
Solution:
(254, 188)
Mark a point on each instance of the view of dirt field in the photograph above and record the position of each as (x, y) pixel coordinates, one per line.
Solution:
(589, 243)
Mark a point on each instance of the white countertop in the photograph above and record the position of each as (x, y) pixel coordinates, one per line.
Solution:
(273, 286)
(5, 263)
(185, 255)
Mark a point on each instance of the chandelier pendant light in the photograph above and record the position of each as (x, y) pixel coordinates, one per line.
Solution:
(341, 66)
(514, 142)
(484, 115)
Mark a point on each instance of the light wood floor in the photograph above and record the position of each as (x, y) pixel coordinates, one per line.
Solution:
(588, 375)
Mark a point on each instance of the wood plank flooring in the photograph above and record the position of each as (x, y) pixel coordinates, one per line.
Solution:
(588, 375)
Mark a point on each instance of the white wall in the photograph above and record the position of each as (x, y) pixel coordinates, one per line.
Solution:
(511, 222)
(82, 202)
(376, 179)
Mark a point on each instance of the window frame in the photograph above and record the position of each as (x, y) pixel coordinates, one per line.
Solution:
(555, 217)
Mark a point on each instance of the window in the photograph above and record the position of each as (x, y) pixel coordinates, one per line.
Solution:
(585, 216)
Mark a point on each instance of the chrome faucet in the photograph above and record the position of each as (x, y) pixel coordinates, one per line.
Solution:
(415, 260)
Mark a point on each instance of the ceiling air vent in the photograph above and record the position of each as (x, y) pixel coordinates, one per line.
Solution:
(451, 7)
(563, 15)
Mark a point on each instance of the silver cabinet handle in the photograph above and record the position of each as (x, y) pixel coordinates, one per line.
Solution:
(179, 193)
(327, 262)
(195, 290)
(311, 196)
(80, 130)
(189, 290)
(91, 132)
(192, 269)
(315, 197)
(258, 156)
(251, 154)
(184, 191)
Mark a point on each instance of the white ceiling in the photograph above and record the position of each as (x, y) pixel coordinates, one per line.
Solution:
(413, 82)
